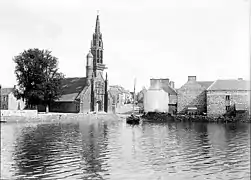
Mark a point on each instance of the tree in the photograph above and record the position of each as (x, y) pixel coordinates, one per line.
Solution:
(39, 81)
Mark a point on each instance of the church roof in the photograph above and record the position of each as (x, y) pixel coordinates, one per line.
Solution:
(71, 88)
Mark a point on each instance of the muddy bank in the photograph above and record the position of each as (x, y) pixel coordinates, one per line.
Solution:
(162, 117)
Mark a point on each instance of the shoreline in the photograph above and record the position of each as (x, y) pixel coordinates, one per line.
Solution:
(52, 117)
(121, 114)
(161, 117)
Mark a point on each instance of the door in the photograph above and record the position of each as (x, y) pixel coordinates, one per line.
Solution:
(99, 106)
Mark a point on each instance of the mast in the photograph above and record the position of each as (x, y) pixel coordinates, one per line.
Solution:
(134, 95)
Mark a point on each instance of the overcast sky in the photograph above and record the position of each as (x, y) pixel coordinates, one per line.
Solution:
(142, 38)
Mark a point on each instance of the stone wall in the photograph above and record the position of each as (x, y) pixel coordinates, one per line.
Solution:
(65, 107)
(18, 113)
(191, 94)
(85, 104)
(216, 101)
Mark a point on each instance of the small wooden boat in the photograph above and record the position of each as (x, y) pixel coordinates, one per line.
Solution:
(132, 119)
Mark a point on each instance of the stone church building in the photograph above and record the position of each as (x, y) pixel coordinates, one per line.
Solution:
(90, 93)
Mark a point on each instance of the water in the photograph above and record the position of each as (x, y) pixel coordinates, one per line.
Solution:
(114, 150)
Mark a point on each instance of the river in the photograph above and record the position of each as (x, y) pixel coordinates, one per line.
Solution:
(99, 149)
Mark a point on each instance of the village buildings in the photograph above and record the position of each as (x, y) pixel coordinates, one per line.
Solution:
(8, 101)
(224, 95)
(90, 93)
(214, 98)
(120, 95)
(192, 96)
(160, 97)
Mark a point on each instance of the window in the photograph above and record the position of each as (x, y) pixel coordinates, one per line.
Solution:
(227, 97)
(227, 108)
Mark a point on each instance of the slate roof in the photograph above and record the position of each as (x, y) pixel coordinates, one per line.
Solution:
(114, 91)
(6, 91)
(205, 84)
(231, 85)
(169, 90)
(71, 87)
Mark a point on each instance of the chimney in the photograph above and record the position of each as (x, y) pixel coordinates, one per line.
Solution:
(191, 78)
(155, 83)
(172, 84)
(165, 81)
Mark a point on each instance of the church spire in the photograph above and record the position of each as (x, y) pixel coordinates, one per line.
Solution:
(97, 28)
(97, 49)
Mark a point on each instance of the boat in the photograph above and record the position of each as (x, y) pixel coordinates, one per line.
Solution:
(133, 119)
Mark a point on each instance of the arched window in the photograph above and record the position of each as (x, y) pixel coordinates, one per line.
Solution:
(101, 58)
(4, 106)
(99, 43)
(97, 56)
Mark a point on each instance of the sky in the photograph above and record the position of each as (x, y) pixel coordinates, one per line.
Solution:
(142, 39)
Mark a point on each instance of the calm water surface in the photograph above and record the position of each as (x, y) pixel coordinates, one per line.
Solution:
(114, 150)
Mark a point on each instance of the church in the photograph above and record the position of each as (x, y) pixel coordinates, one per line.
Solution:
(90, 93)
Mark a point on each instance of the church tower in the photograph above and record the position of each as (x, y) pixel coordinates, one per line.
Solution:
(97, 50)
(89, 66)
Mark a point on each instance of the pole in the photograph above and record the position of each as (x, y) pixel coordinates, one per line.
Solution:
(249, 46)
(249, 32)
(134, 95)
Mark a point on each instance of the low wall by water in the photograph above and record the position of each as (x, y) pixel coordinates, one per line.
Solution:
(51, 117)
(19, 113)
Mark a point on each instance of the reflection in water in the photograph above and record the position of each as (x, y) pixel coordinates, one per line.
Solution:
(94, 144)
(97, 149)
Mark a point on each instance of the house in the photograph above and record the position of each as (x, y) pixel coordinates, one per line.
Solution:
(128, 97)
(160, 97)
(121, 95)
(192, 96)
(90, 93)
(223, 95)
(140, 95)
(9, 101)
(116, 96)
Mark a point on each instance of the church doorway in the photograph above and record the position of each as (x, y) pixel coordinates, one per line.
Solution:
(99, 106)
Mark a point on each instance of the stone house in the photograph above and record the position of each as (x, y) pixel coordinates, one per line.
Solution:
(160, 97)
(192, 96)
(121, 95)
(116, 96)
(90, 93)
(225, 94)
(9, 101)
